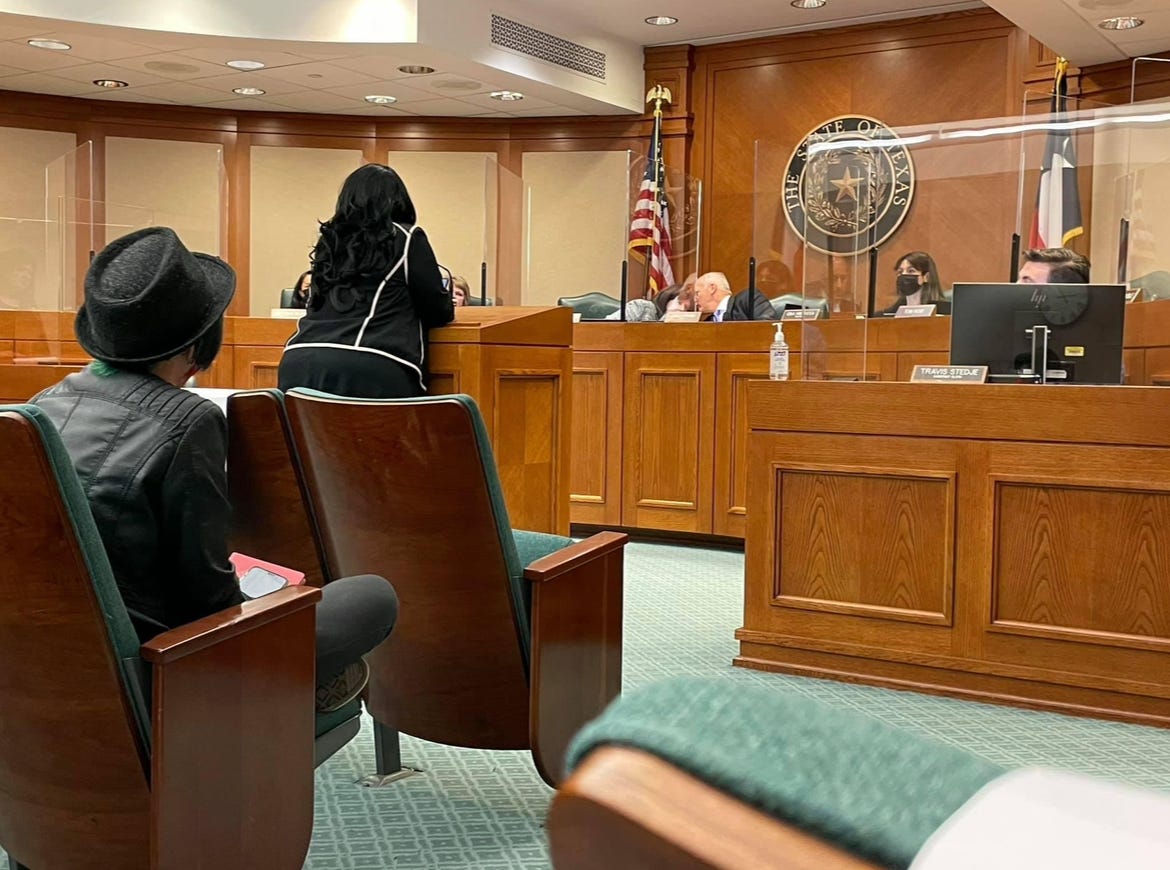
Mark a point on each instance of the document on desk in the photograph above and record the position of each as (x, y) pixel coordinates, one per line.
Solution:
(1034, 818)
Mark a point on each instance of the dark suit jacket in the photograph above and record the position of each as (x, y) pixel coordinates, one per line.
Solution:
(737, 308)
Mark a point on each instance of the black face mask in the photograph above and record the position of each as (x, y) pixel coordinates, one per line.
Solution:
(908, 284)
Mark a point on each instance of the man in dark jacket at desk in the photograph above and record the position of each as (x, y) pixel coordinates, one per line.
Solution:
(713, 297)
(152, 457)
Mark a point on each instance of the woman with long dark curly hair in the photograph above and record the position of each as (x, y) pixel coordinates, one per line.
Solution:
(376, 289)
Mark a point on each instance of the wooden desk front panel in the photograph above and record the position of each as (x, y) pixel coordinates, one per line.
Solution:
(668, 443)
(595, 479)
(255, 368)
(733, 373)
(1031, 572)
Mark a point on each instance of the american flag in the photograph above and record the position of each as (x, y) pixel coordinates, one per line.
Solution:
(650, 225)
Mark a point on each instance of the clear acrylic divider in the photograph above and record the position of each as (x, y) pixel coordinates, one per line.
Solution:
(1147, 190)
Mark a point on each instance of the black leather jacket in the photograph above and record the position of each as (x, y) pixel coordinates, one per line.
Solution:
(151, 459)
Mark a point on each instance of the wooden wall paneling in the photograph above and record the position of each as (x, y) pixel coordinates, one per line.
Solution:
(5, 350)
(668, 445)
(55, 351)
(237, 161)
(19, 383)
(595, 479)
(222, 372)
(733, 372)
(869, 70)
(255, 368)
(1133, 362)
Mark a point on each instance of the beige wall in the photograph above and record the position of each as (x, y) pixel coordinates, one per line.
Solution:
(159, 182)
(30, 249)
(292, 189)
(454, 194)
(577, 223)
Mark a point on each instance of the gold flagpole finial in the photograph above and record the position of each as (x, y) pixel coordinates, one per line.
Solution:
(658, 95)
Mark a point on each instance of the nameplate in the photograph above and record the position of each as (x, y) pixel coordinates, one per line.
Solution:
(682, 316)
(287, 313)
(800, 314)
(915, 311)
(949, 374)
(1133, 295)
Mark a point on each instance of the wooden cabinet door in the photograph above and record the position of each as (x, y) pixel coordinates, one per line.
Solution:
(595, 477)
(255, 367)
(734, 371)
(669, 439)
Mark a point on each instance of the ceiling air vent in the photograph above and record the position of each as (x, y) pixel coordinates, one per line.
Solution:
(521, 38)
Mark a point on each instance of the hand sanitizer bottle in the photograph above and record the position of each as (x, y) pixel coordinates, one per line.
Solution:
(778, 365)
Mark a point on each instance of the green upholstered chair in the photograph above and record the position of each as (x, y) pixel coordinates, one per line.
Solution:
(693, 773)
(794, 300)
(195, 749)
(591, 306)
(506, 639)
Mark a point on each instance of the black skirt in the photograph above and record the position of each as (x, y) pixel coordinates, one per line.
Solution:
(352, 373)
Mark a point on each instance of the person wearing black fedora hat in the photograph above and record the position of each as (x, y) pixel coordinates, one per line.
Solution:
(152, 457)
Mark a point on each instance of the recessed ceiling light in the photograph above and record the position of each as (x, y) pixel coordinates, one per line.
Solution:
(50, 44)
(1124, 22)
(412, 69)
(808, 4)
(249, 92)
(507, 96)
(381, 99)
(110, 83)
(661, 20)
(245, 64)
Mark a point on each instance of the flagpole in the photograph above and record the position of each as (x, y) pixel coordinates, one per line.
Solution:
(657, 95)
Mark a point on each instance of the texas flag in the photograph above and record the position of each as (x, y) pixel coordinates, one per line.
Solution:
(1058, 203)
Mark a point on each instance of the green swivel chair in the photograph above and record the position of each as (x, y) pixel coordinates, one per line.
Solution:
(591, 306)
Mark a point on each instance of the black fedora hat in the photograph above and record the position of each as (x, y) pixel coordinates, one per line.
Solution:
(147, 297)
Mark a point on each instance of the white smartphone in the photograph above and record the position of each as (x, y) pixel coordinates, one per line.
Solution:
(258, 582)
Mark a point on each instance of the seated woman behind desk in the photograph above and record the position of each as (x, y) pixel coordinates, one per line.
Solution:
(918, 284)
(376, 290)
(646, 310)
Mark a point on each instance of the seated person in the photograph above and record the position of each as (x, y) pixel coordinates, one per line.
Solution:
(152, 458)
(917, 283)
(300, 294)
(646, 310)
(713, 297)
(1053, 266)
(460, 291)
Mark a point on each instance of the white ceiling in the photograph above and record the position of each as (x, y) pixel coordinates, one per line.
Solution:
(325, 70)
(1069, 27)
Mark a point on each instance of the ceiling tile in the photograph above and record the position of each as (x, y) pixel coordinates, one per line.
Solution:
(20, 27)
(486, 102)
(251, 104)
(220, 55)
(9, 71)
(40, 83)
(171, 66)
(1148, 47)
(25, 57)
(99, 48)
(315, 101)
(376, 111)
(91, 71)
(391, 88)
(455, 108)
(317, 75)
(270, 85)
(451, 86)
(379, 66)
(184, 93)
(126, 95)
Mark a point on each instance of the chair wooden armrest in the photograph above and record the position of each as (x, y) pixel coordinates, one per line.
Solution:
(624, 809)
(576, 665)
(233, 726)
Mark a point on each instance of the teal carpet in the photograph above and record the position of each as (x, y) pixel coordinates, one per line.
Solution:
(485, 810)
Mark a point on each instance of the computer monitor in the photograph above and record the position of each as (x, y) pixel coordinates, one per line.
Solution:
(1002, 326)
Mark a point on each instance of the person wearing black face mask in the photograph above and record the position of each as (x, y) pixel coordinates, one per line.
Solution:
(917, 284)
